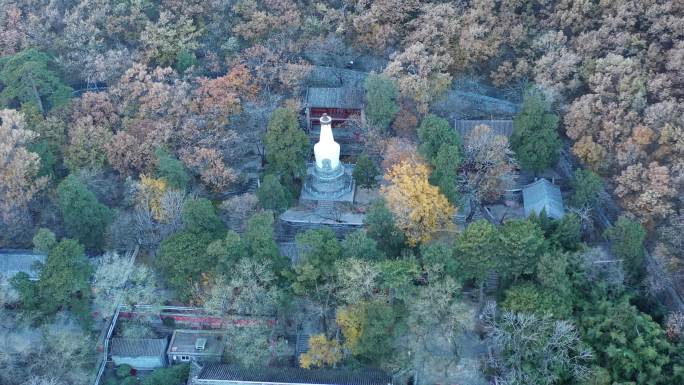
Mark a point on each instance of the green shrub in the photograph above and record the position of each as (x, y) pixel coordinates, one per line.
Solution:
(199, 216)
(174, 375)
(586, 186)
(184, 60)
(129, 381)
(171, 170)
(273, 195)
(44, 240)
(627, 242)
(382, 105)
(85, 218)
(535, 137)
(123, 371)
(365, 171)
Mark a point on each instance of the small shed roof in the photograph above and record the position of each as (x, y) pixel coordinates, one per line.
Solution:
(185, 342)
(138, 347)
(344, 97)
(270, 375)
(17, 261)
(500, 127)
(543, 195)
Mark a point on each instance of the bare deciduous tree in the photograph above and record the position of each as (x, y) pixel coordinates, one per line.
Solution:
(171, 207)
(437, 318)
(238, 209)
(599, 266)
(59, 353)
(533, 350)
(147, 230)
(488, 165)
(8, 294)
(250, 290)
(19, 167)
(116, 278)
(43, 380)
(258, 344)
(357, 280)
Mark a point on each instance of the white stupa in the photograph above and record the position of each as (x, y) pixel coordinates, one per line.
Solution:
(327, 148)
(327, 179)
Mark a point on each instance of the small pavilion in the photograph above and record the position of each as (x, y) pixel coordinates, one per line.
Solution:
(340, 104)
(543, 195)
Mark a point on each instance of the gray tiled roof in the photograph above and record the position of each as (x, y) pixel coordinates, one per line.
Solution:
(474, 105)
(500, 127)
(138, 347)
(543, 195)
(321, 76)
(16, 261)
(345, 97)
(269, 375)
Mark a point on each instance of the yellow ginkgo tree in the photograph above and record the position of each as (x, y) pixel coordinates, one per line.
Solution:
(149, 195)
(350, 320)
(420, 208)
(322, 352)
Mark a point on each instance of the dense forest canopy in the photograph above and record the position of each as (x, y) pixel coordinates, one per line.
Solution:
(177, 126)
(171, 73)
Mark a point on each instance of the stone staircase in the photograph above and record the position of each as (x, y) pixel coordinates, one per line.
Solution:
(302, 343)
(326, 209)
(491, 283)
(285, 233)
(248, 186)
(253, 185)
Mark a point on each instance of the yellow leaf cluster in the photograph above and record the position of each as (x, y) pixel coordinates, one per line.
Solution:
(322, 352)
(420, 208)
(350, 320)
(150, 193)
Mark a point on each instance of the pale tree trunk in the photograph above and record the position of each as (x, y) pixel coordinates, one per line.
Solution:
(36, 95)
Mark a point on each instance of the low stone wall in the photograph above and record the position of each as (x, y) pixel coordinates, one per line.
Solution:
(286, 231)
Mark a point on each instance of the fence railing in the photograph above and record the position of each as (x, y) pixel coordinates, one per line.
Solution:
(105, 347)
(102, 361)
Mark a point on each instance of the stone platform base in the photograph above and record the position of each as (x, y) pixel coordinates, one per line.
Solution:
(337, 188)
